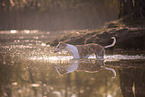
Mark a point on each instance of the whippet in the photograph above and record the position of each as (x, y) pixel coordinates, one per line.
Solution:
(84, 51)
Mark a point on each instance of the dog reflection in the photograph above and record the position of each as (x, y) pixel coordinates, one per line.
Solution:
(90, 66)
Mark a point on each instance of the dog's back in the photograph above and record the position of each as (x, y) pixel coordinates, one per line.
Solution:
(84, 50)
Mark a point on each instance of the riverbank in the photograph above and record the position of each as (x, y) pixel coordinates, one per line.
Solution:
(129, 37)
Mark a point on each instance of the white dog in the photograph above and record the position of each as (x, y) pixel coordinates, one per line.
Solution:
(84, 51)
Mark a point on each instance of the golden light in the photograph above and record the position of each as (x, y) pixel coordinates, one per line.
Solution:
(52, 59)
(13, 31)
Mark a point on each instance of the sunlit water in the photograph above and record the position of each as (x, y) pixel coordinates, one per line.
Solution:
(29, 68)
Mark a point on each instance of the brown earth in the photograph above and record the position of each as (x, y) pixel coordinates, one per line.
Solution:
(128, 37)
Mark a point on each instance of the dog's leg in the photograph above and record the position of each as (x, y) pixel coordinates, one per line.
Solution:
(86, 56)
(100, 55)
(103, 53)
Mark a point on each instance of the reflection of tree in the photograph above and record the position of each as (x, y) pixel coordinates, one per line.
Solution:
(6, 71)
(32, 80)
(84, 87)
(67, 86)
(132, 81)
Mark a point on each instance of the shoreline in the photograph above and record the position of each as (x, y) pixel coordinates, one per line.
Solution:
(128, 38)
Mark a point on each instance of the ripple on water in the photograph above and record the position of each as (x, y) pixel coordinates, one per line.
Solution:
(55, 59)
(124, 57)
(52, 59)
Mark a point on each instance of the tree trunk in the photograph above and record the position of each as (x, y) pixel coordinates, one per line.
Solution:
(132, 8)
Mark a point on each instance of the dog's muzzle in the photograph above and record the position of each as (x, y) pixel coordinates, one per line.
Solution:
(56, 50)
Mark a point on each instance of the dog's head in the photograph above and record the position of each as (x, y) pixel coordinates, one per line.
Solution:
(60, 46)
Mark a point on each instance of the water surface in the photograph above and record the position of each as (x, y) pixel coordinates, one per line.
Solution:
(29, 68)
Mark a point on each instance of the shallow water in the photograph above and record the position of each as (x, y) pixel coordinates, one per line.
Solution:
(29, 68)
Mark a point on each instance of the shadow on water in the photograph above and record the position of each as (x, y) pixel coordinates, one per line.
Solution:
(33, 70)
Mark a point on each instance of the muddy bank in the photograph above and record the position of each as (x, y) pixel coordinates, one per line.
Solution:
(128, 38)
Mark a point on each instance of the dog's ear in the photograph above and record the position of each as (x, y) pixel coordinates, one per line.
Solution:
(62, 43)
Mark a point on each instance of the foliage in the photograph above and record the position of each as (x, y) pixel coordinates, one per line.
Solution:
(56, 14)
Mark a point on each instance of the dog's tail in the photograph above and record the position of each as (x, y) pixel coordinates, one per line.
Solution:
(112, 43)
(114, 72)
